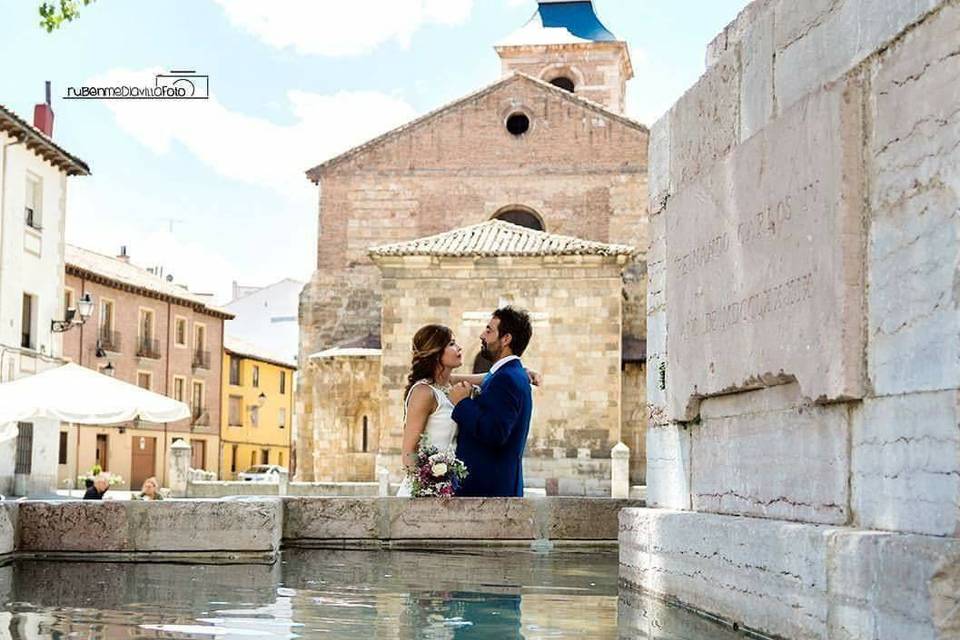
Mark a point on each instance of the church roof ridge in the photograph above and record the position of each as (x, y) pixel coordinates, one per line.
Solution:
(499, 238)
(314, 173)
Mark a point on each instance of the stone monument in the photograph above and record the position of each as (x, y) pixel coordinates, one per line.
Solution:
(803, 450)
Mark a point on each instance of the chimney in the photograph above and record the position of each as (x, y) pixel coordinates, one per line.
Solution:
(123, 257)
(43, 115)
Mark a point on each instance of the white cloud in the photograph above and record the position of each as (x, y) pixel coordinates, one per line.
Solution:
(211, 242)
(251, 149)
(351, 27)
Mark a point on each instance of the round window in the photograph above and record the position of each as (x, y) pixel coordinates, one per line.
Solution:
(518, 124)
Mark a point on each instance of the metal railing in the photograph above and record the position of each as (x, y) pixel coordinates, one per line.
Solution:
(200, 417)
(109, 340)
(201, 359)
(148, 348)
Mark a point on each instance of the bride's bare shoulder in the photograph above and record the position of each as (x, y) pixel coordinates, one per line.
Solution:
(422, 397)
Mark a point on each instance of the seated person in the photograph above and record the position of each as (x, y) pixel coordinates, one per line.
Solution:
(149, 491)
(100, 485)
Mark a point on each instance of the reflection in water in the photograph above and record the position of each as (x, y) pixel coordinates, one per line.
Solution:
(341, 594)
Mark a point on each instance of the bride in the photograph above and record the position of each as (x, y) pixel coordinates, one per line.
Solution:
(427, 409)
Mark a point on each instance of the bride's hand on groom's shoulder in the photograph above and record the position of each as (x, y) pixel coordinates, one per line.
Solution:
(460, 391)
(536, 378)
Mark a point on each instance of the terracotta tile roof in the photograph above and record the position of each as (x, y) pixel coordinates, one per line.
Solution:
(38, 142)
(85, 263)
(499, 238)
(246, 349)
(315, 173)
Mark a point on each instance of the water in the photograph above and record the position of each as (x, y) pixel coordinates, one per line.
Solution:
(500, 593)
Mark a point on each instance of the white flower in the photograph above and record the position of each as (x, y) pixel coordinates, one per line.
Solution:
(439, 470)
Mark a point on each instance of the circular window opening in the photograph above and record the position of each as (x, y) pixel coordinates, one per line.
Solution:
(518, 124)
(564, 83)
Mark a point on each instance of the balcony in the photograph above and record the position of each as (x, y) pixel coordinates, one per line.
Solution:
(199, 417)
(147, 348)
(201, 360)
(109, 340)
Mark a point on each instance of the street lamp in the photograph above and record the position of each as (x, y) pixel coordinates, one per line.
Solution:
(262, 398)
(74, 317)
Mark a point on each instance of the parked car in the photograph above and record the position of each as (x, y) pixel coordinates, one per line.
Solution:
(262, 473)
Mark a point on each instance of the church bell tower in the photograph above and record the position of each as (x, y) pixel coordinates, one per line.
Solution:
(565, 44)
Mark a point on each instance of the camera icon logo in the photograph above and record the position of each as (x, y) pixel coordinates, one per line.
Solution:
(183, 84)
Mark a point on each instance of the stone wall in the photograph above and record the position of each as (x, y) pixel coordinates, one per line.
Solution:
(575, 303)
(795, 580)
(803, 334)
(343, 393)
(633, 420)
(461, 521)
(222, 489)
(238, 530)
(251, 529)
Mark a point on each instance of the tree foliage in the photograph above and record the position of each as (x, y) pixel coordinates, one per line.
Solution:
(54, 14)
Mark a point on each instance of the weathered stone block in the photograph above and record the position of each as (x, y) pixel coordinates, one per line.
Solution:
(914, 250)
(796, 580)
(764, 261)
(73, 526)
(756, 85)
(817, 41)
(331, 518)
(579, 519)
(767, 454)
(704, 123)
(8, 529)
(668, 466)
(205, 525)
(906, 463)
(170, 526)
(889, 586)
(462, 519)
(658, 157)
(767, 575)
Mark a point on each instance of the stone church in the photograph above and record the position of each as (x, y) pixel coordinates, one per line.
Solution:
(531, 191)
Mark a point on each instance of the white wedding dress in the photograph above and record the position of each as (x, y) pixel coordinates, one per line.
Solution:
(441, 430)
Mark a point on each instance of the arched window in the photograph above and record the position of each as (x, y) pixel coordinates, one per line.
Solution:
(366, 436)
(564, 83)
(521, 217)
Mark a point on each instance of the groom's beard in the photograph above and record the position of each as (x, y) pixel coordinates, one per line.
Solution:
(486, 352)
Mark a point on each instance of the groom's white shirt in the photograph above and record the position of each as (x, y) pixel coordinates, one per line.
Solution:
(502, 361)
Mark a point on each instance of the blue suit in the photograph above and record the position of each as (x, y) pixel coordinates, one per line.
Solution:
(493, 433)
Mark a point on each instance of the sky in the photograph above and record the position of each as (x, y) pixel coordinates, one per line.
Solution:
(214, 190)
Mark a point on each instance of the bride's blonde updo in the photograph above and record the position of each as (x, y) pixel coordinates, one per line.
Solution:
(429, 343)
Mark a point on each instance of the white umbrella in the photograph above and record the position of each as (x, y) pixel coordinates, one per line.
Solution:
(72, 393)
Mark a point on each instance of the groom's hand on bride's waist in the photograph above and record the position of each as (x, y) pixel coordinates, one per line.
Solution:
(460, 391)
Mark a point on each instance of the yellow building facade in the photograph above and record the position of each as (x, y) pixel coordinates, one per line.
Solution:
(257, 417)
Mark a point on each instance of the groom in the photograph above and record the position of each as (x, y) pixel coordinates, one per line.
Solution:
(494, 426)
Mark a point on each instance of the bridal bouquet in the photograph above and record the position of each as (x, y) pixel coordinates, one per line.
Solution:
(436, 473)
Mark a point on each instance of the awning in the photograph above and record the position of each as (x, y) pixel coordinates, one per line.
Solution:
(72, 393)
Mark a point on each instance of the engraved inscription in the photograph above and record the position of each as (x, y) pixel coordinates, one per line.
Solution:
(750, 309)
(764, 261)
(765, 223)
